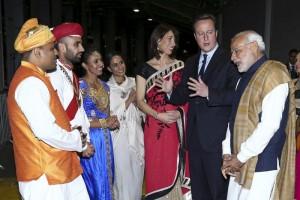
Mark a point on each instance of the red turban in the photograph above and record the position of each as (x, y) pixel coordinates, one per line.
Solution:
(67, 29)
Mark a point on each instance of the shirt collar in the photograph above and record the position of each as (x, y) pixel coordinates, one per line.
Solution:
(33, 67)
(59, 62)
(211, 52)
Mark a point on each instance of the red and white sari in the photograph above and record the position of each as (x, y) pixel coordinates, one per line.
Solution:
(166, 162)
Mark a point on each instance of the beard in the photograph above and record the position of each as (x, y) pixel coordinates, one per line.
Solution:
(73, 58)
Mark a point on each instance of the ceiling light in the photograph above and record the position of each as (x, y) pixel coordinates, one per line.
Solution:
(136, 10)
(150, 19)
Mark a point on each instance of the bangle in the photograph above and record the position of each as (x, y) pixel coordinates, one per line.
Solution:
(103, 123)
(155, 115)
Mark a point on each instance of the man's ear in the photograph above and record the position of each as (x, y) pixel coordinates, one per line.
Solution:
(62, 47)
(108, 68)
(254, 46)
(36, 52)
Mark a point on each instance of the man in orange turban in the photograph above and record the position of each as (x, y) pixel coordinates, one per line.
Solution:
(33, 35)
(44, 143)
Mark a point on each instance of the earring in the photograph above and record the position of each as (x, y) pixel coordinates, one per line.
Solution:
(158, 43)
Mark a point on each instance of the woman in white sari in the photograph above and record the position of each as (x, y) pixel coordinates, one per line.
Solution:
(128, 141)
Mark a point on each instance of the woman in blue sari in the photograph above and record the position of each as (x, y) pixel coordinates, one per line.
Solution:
(98, 170)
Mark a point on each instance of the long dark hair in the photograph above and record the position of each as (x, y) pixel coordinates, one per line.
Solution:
(157, 34)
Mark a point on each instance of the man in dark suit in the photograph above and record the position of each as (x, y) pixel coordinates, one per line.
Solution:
(291, 64)
(208, 83)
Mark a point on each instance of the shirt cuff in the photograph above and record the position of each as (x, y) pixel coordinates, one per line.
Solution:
(169, 95)
(241, 157)
(207, 94)
(226, 149)
(85, 147)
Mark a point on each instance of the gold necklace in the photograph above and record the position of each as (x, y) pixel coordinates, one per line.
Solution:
(99, 95)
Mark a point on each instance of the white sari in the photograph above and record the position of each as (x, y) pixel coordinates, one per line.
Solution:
(128, 142)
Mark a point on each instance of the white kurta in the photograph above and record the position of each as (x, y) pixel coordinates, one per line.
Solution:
(128, 143)
(65, 92)
(32, 96)
(263, 182)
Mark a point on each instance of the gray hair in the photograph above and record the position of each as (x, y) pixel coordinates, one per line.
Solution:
(252, 36)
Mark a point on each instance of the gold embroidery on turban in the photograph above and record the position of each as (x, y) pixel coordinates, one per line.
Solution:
(33, 35)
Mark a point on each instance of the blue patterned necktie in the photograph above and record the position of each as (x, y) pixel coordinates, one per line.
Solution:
(201, 72)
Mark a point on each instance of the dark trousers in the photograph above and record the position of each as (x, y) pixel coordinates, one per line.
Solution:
(206, 178)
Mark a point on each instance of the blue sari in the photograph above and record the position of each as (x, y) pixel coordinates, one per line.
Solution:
(98, 170)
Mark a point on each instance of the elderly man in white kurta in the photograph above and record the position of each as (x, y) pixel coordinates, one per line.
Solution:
(259, 149)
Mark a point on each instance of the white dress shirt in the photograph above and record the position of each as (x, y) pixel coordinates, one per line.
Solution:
(208, 58)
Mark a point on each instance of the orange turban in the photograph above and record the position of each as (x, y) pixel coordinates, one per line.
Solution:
(67, 29)
(33, 35)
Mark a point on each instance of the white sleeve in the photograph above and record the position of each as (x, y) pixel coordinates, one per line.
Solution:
(32, 96)
(226, 142)
(272, 107)
(85, 121)
(57, 83)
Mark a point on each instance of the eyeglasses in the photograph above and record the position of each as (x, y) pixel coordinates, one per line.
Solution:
(238, 49)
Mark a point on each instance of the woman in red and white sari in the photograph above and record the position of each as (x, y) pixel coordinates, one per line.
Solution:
(166, 167)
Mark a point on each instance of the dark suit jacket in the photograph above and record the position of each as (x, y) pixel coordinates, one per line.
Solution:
(207, 119)
(293, 72)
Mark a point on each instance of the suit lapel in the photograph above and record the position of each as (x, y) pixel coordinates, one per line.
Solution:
(196, 64)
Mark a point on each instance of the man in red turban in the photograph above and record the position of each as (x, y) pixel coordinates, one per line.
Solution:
(70, 49)
(67, 29)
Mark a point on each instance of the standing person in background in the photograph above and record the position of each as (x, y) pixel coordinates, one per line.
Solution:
(45, 145)
(291, 64)
(259, 149)
(98, 171)
(166, 165)
(208, 84)
(128, 141)
(64, 80)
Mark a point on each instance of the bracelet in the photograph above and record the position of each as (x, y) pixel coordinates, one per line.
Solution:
(155, 115)
(103, 123)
